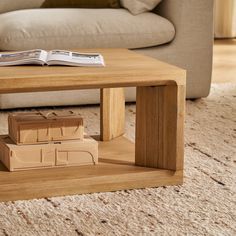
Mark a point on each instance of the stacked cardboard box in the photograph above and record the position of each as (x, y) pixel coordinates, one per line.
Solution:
(46, 140)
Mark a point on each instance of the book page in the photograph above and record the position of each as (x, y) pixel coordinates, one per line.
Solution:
(25, 57)
(61, 57)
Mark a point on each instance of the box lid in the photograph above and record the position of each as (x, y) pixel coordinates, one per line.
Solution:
(40, 116)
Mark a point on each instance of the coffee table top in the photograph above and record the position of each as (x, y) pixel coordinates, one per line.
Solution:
(124, 68)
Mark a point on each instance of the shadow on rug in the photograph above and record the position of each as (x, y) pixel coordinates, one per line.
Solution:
(204, 205)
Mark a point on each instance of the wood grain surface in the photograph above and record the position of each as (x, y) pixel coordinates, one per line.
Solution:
(116, 171)
(124, 68)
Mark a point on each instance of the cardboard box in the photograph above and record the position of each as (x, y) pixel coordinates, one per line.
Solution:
(40, 156)
(39, 127)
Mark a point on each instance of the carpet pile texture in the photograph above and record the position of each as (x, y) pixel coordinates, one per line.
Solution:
(204, 205)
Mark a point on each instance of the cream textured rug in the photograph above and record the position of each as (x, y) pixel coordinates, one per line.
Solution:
(204, 205)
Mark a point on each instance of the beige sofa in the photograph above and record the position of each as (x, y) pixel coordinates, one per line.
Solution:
(178, 31)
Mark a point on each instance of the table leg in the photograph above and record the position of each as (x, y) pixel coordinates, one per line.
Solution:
(160, 127)
(112, 113)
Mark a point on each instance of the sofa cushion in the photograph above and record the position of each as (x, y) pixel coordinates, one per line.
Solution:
(81, 3)
(82, 28)
(139, 6)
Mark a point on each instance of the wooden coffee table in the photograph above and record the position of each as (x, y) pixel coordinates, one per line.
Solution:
(156, 158)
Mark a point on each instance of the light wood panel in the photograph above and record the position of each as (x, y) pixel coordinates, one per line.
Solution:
(160, 127)
(225, 18)
(115, 171)
(173, 123)
(224, 61)
(112, 113)
(124, 68)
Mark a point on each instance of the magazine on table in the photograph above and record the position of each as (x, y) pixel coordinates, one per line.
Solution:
(54, 57)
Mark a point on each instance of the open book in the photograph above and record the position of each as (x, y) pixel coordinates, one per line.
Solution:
(54, 57)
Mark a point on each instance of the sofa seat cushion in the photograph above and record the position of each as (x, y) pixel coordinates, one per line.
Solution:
(82, 28)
